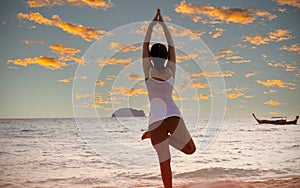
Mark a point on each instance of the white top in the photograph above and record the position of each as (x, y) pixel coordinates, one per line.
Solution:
(162, 104)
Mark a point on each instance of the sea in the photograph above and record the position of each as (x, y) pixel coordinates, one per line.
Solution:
(108, 152)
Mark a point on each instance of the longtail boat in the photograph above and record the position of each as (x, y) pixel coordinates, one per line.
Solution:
(281, 121)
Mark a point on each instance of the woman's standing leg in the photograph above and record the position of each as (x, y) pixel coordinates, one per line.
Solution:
(160, 141)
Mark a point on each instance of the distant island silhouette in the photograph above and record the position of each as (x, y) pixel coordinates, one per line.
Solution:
(128, 112)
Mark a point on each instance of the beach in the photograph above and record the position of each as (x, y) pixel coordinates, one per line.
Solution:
(271, 183)
(59, 153)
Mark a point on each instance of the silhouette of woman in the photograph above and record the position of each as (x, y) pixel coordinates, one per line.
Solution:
(166, 125)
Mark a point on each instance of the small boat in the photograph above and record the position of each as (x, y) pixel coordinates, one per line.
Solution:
(281, 121)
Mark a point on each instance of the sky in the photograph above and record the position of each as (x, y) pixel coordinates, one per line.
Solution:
(256, 44)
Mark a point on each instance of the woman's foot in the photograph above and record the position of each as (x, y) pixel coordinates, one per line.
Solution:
(145, 135)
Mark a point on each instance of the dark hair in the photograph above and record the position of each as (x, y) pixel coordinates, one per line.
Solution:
(160, 54)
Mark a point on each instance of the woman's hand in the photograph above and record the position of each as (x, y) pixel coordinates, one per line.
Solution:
(155, 19)
(160, 18)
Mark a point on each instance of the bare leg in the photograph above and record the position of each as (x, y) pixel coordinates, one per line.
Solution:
(180, 137)
(166, 173)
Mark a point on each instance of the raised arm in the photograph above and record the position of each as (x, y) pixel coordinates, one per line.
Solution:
(171, 48)
(146, 51)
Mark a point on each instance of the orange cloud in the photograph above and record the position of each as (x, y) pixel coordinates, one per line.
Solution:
(47, 62)
(276, 36)
(186, 57)
(251, 74)
(86, 33)
(229, 55)
(271, 91)
(279, 83)
(192, 34)
(214, 74)
(178, 98)
(123, 48)
(294, 3)
(79, 96)
(257, 40)
(64, 80)
(280, 35)
(219, 32)
(222, 53)
(234, 95)
(287, 67)
(272, 102)
(66, 53)
(128, 92)
(28, 42)
(100, 83)
(199, 85)
(114, 61)
(167, 18)
(221, 14)
(293, 48)
(202, 97)
(92, 3)
(236, 92)
(134, 76)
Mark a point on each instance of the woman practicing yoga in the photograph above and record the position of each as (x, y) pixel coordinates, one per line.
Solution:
(166, 126)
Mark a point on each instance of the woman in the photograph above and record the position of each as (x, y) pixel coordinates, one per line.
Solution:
(166, 126)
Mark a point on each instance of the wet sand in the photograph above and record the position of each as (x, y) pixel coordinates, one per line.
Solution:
(271, 183)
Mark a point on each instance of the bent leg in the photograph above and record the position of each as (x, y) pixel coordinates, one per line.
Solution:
(180, 137)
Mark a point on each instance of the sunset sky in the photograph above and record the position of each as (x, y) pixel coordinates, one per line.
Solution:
(256, 44)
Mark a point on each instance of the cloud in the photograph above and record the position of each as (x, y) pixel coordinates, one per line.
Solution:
(279, 83)
(269, 92)
(100, 83)
(287, 67)
(294, 3)
(83, 95)
(202, 97)
(29, 42)
(199, 85)
(167, 18)
(134, 76)
(257, 39)
(251, 74)
(280, 35)
(64, 80)
(272, 102)
(219, 33)
(192, 34)
(234, 95)
(86, 33)
(214, 74)
(66, 53)
(185, 57)
(275, 36)
(222, 53)
(47, 62)
(123, 48)
(114, 61)
(178, 98)
(128, 92)
(230, 56)
(236, 92)
(293, 48)
(49, 3)
(221, 14)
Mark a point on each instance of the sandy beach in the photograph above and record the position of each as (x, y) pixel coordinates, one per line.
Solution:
(270, 183)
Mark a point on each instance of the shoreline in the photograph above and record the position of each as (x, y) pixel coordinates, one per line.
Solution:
(284, 182)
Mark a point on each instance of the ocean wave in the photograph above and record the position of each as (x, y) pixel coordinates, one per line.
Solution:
(220, 173)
